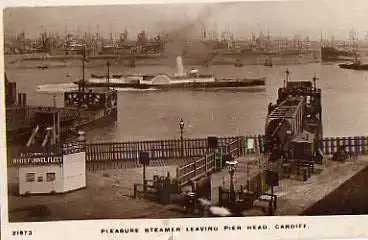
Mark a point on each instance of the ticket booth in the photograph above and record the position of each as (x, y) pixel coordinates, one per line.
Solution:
(50, 172)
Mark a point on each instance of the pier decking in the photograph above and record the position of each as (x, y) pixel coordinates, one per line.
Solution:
(109, 192)
(114, 169)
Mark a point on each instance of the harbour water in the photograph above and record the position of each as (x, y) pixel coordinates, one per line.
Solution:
(155, 114)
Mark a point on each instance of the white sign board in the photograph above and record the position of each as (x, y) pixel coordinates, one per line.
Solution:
(250, 143)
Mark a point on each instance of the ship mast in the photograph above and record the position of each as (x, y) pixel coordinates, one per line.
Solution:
(83, 67)
(108, 75)
(81, 83)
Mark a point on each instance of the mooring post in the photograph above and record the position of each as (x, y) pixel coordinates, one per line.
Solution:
(271, 203)
(144, 178)
(135, 191)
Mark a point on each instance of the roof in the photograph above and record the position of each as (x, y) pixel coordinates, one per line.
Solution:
(286, 109)
(299, 84)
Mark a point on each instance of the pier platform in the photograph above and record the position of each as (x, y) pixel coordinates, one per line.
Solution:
(109, 193)
(295, 197)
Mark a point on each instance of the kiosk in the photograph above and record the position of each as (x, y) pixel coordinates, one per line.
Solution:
(52, 172)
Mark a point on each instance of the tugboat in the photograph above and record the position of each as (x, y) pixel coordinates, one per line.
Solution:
(43, 66)
(355, 65)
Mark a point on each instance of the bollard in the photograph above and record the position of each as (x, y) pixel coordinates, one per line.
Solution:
(305, 174)
(275, 202)
(190, 201)
(270, 208)
(308, 169)
(194, 186)
(220, 201)
(135, 191)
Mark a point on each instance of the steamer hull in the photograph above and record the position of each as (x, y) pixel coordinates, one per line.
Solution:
(185, 85)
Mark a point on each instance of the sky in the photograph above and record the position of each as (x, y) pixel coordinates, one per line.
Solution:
(287, 18)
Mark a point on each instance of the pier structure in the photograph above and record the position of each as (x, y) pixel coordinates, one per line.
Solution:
(123, 155)
(293, 130)
(54, 172)
(115, 172)
(263, 170)
(82, 108)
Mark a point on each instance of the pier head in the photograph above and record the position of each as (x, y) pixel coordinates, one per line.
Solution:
(286, 171)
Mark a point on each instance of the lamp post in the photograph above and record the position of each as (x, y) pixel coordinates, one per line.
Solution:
(231, 166)
(287, 77)
(181, 125)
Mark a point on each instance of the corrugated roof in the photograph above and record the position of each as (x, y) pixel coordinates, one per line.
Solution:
(286, 109)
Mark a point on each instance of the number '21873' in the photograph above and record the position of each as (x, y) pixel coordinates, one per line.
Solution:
(22, 233)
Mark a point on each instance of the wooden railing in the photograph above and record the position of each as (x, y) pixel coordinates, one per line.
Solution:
(196, 169)
(234, 148)
(198, 147)
(161, 149)
(202, 166)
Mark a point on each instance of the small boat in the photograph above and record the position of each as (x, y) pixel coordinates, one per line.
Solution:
(117, 75)
(356, 65)
(238, 63)
(268, 62)
(43, 66)
(97, 76)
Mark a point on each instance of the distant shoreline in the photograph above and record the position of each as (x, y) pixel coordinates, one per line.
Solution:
(65, 61)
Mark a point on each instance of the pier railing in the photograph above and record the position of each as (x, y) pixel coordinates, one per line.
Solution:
(195, 170)
(175, 149)
(160, 149)
(354, 145)
(196, 148)
(207, 164)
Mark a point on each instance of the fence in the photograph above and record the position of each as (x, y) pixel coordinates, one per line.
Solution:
(354, 145)
(196, 169)
(329, 145)
(161, 149)
(200, 167)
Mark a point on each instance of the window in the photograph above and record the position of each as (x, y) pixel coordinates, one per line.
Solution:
(30, 177)
(40, 179)
(50, 177)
